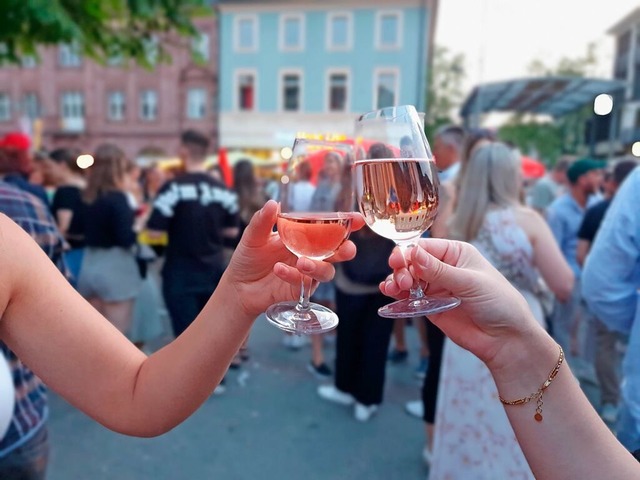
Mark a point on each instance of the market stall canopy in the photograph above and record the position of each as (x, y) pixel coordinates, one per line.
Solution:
(555, 96)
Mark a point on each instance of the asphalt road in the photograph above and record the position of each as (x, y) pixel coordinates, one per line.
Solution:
(269, 424)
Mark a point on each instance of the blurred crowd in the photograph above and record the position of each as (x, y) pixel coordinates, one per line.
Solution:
(147, 247)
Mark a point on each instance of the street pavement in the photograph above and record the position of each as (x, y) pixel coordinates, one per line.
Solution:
(269, 424)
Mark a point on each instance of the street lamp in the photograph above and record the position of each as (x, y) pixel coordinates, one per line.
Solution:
(603, 104)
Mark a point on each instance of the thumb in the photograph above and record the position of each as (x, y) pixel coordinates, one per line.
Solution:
(261, 225)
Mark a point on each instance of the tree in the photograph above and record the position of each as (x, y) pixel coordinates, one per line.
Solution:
(549, 140)
(99, 29)
(445, 92)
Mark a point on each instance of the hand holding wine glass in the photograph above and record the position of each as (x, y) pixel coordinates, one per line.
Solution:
(314, 221)
(397, 191)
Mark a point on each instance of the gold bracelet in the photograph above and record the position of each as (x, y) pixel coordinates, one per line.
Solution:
(538, 395)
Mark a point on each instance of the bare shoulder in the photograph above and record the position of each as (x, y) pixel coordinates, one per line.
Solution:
(529, 219)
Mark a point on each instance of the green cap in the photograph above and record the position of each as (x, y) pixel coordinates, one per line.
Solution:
(582, 166)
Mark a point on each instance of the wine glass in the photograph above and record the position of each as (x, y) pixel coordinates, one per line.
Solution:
(396, 185)
(316, 211)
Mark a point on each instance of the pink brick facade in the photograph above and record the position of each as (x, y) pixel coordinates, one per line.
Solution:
(171, 82)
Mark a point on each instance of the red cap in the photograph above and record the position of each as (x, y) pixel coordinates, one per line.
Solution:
(16, 140)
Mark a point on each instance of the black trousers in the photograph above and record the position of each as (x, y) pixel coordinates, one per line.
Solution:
(361, 346)
(184, 305)
(435, 341)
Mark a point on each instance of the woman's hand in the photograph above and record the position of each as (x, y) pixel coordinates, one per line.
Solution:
(263, 271)
(492, 312)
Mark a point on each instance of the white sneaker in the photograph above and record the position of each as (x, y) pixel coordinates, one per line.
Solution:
(426, 456)
(363, 413)
(609, 413)
(414, 408)
(332, 394)
(220, 389)
(295, 342)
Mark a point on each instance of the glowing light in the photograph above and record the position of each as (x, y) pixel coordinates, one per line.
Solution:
(603, 104)
(284, 180)
(286, 153)
(635, 149)
(84, 161)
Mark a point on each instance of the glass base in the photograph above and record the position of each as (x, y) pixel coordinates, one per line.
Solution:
(287, 317)
(418, 307)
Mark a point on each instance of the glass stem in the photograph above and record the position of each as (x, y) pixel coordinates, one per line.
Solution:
(303, 301)
(415, 292)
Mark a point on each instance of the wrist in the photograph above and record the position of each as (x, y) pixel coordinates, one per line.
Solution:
(524, 363)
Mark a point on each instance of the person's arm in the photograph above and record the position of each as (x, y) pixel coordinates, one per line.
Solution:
(582, 250)
(123, 217)
(611, 274)
(494, 322)
(80, 355)
(547, 256)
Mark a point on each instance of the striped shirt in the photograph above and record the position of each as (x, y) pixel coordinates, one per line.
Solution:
(31, 408)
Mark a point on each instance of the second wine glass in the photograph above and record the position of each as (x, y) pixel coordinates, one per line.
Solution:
(316, 211)
(397, 191)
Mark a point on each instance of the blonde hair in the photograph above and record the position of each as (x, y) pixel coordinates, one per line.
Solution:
(491, 179)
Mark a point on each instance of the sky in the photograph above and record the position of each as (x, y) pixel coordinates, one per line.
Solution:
(500, 38)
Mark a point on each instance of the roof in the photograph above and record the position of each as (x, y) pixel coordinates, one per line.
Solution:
(555, 96)
(625, 23)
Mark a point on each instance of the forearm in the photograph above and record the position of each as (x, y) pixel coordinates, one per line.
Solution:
(173, 382)
(571, 442)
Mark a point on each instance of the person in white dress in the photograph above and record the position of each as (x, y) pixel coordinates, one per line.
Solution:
(473, 437)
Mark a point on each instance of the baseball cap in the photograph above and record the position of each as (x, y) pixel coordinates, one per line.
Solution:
(582, 166)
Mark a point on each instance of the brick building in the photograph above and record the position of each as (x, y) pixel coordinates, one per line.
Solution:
(66, 100)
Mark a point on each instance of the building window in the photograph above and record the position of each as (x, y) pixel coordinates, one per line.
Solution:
(291, 92)
(69, 55)
(388, 29)
(196, 103)
(116, 106)
(72, 105)
(148, 105)
(5, 107)
(385, 89)
(246, 34)
(291, 32)
(339, 31)
(29, 61)
(200, 47)
(338, 89)
(31, 105)
(246, 91)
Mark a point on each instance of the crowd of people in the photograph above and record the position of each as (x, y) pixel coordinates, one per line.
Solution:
(138, 243)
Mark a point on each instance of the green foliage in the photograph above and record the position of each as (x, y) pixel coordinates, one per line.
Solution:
(445, 94)
(100, 29)
(541, 140)
(564, 135)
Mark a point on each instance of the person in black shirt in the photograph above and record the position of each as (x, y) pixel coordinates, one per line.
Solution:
(607, 357)
(62, 169)
(198, 212)
(109, 277)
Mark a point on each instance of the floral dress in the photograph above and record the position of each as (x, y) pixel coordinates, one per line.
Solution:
(473, 438)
